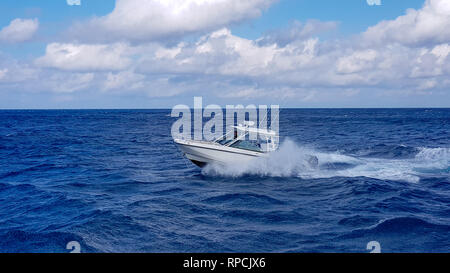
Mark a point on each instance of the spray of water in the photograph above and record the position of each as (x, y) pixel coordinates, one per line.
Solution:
(292, 160)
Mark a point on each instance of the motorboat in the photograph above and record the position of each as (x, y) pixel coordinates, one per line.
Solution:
(239, 148)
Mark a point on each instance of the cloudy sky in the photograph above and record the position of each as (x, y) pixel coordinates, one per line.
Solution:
(159, 53)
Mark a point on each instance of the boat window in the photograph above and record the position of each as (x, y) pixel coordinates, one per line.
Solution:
(247, 145)
(225, 141)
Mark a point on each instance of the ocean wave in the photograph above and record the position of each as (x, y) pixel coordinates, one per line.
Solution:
(244, 198)
(291, 160)
(38, 167)
(18, 241)
(399, 225)
(390, 151)
(439, 154)
(115, 182)
(267, 217)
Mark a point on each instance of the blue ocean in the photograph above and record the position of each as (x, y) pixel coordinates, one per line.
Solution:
(114, 181)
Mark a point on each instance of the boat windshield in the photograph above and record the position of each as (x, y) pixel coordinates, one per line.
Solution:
(247, 145)
(225, 141)
(266, 141)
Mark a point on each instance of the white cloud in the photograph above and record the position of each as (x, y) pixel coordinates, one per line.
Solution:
(292, 64)
(257, 70)
(3, 73)
(69, 82)
(441, 52)
(232, 67)
(125, 80)
(253, 67)
(427, 84)
(357, 61)
(14, 72)
(428, 25)
(168, 53)
(431, 62)
(297, 31)
(145, 20)
(25, 77)
(19, 30)
(221, 53)
(85, 57)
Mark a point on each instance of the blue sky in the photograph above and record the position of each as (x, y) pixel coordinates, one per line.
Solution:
(156, 54)
(354, 15)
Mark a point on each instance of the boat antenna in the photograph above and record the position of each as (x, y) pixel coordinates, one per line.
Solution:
(278, 114)
(265, 118)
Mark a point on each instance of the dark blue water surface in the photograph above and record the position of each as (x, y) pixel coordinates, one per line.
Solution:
(114, 181)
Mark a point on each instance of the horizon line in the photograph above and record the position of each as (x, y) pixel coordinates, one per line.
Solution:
(293, 108)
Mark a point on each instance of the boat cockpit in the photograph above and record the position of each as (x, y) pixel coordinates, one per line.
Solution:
(250, 138)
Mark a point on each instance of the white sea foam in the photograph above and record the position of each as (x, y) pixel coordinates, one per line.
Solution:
(291, 160)
(434, 154)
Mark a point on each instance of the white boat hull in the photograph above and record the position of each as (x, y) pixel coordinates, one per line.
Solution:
(202, 153)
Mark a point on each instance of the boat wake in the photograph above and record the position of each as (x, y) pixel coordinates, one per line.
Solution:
(292, 160)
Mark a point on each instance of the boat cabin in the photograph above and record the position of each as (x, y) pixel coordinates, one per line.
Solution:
(265, 141)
